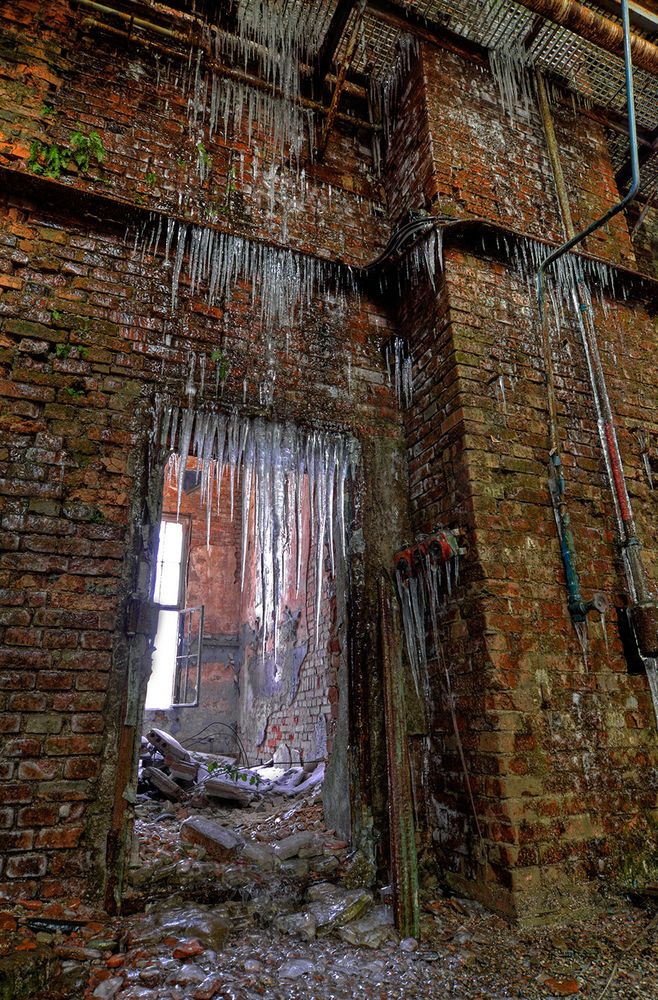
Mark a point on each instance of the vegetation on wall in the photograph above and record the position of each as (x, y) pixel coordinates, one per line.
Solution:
(50, 160)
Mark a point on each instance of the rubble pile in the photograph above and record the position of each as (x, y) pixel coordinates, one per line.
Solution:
(167, 770)
(238, 901)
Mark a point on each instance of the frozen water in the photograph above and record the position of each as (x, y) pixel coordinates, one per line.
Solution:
(283, 470)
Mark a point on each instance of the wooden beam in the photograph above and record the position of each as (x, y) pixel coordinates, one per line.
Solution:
(645, 153)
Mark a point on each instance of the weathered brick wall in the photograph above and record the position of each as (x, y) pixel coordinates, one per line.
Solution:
(558, 750)
(455, 149)
(86, 340)
(60, 78)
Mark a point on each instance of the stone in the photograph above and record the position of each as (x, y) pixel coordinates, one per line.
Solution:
(320, 891)
(409, 944)
(290, 847)
(340, 908)
(260, 854)
(151, 975)
(296, 969)
(295, 868)
(209, 926)
(218, 841)
(302, 925)
(187, 975)
(371, 931)
(108, 988)
(188, 948)
(208, 988)
(253, 966)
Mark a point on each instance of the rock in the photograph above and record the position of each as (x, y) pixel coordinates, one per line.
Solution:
(211, 927)
(295, 868)
(252, 966)
(164, 784)
(328, 865)
(108, 988)
(187, 975)
(562, 987)
(371, 931)
(409, 944)
(261, 855)
(303, 925)
(151, 975)
(340, 908)
(296, 969)
(313, 850)
(320, 891)
(138, 993)
(188, 948)
(218, 841)
(290, 847)
(208, 988)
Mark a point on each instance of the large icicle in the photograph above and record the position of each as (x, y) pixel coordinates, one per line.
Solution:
(290, 478)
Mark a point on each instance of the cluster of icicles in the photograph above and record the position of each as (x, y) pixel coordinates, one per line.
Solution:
(275, 39)
(399, 368)
(283, 283)
(423, 593)
(287, 477)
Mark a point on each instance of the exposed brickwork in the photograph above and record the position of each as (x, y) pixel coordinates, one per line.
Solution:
(559, 754)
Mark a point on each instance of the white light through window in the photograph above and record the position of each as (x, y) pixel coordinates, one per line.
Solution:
(170, 551)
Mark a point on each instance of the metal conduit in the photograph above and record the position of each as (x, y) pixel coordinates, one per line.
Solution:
(637, 580)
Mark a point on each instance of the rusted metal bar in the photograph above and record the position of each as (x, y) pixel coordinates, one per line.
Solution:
(341, 76)
(331, 42)
(404, 862)
(596, 28)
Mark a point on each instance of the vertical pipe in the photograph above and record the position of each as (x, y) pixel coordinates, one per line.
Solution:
(400, 798)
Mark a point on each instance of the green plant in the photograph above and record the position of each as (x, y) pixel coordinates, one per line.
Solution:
(150, 179)
(56, 316)
(233, 772)
(204, 156)
(223, 366)
(63, 350)
(47, 109)
(86, 147)
(49, 160)
(82, 352)
(74, 393)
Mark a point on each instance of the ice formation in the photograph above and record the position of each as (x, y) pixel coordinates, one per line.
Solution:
(285, 473)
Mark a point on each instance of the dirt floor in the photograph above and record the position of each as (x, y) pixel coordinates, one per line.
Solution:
(273, 906)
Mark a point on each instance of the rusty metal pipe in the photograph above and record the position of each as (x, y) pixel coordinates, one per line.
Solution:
(596, 28)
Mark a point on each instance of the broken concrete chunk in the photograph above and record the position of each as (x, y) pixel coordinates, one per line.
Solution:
(167, 745)
(218, 789)
(340, 908)
(164, 784)
(290, 847)
(371, 931)
(218, 841)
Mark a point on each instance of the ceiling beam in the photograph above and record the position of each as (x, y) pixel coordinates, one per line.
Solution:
(330, 44)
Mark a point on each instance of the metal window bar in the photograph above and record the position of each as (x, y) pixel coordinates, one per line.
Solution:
(187, 674)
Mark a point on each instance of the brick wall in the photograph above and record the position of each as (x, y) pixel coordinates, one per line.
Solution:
(86, 340)
(556, 744)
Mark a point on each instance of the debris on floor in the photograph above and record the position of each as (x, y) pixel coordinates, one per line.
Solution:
(242, 902)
